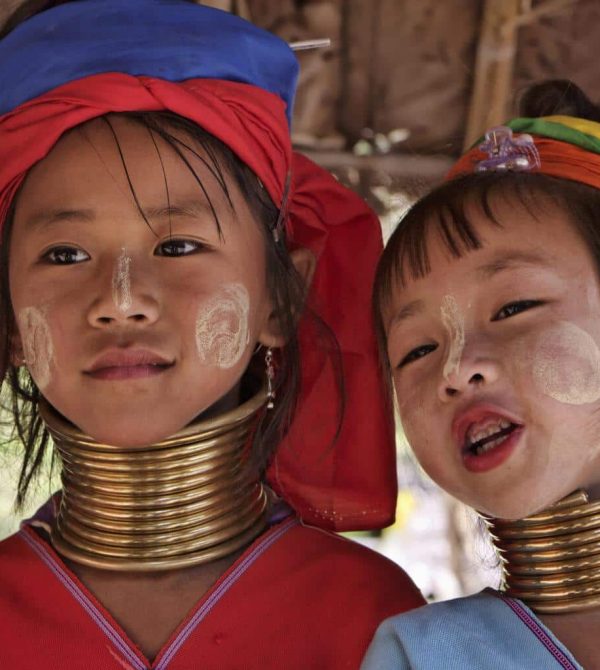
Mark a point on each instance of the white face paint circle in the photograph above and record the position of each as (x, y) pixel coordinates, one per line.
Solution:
(37, 344)
(454, 323)
(121, 282)
(222, 333)
(566, 365)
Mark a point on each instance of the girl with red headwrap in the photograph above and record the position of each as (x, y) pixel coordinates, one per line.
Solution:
(488, 306)
(214, 418)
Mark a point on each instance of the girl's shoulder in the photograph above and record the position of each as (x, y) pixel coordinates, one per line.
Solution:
(349, 568)
(485, 630)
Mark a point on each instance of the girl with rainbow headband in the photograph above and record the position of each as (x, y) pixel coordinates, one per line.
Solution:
(215, 419)
(487, 302)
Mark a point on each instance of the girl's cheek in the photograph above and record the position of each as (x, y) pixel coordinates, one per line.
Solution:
(37, 344)
(566, 365)
(121, 282)
(222, 327)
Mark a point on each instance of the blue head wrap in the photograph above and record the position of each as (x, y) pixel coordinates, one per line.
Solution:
(172, 40)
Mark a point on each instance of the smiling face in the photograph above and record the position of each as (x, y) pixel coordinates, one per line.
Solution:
(496, 362)
(133, 328)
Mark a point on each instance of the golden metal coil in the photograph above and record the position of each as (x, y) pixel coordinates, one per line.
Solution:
(183, 501)
(550, 542)
(132, 523)
(564, 606)
(231, 472)
(551, 580)
(564, 566)
(551, 560)
(220, 501)
(116, 543)
(552, 555)
(133, 502)
(164, 562)
(163, 459)
(566, 526)
(173, 548)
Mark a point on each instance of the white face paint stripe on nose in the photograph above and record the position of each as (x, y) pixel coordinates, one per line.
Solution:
(454, 323)
(121, 282)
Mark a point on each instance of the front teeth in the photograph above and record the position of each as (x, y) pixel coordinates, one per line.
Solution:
(482, 448)
(477, 434)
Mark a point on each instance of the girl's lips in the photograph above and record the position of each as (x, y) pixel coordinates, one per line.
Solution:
(128, 372)
(496, 456)
(484, 413)
(115, 364)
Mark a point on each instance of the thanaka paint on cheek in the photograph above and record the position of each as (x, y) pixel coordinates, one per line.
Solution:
(37, 344)
(566, 365)
(121, 282)
(454, 323)
(222, 333)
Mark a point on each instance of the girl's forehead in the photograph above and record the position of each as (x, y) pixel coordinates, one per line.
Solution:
(119, 159)
(444, 259)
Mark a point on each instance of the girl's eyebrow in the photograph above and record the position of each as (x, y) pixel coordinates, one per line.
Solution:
(512, 260)
(187, 208)
(43, 218)
(410, 309)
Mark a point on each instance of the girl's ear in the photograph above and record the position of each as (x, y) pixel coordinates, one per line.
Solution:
(305, 263)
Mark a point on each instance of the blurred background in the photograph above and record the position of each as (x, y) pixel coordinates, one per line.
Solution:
(404, 87)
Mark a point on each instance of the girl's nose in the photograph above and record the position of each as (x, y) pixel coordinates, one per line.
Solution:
(127, 295)
(474, 371)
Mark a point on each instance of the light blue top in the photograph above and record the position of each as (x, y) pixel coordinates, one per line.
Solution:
(486, 630)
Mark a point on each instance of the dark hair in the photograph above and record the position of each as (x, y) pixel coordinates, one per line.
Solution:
(445, 210)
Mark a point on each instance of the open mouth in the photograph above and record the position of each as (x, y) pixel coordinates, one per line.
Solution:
(481, 439)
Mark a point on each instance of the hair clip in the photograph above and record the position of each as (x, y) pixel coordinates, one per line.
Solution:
(507, 151)
(280, 223)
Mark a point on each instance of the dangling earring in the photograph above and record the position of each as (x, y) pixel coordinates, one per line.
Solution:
(270, 377)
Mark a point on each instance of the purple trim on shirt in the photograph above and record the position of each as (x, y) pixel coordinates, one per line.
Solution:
(538, 631)
(221, 590)
(82, 599)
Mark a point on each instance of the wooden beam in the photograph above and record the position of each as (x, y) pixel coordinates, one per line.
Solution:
(393, 164)
(493, 67)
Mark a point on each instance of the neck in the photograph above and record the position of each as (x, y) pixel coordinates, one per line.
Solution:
(551, 560)
(188, 500)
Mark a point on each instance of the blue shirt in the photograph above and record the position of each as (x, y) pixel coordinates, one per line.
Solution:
(486, 630)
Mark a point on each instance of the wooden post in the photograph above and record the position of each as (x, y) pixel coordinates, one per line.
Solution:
(493, 67)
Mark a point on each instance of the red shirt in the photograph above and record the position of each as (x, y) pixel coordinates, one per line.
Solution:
(299, 598)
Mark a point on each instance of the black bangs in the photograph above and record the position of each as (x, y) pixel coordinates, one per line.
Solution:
(447, 213)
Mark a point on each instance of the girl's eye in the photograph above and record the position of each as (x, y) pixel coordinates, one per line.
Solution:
(417, 353)
(516, 307)
(173, 248)
(66, 256)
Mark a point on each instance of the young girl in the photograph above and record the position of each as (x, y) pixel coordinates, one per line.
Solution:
(488, 304)
(158, 238)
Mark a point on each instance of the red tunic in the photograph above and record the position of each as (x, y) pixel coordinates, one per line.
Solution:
(299, 598)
